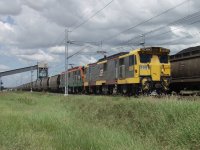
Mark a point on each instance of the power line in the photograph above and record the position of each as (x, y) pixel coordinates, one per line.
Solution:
(179, 21)
(87, 42)
(86, 14)
(78, 52)
(158, 15)
(164, 33)
(198, 33)
(80, 24)
(75, 28)
(186, 18)
(175, 29)
(59, 66)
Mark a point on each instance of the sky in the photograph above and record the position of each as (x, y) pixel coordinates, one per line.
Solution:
(33, 31)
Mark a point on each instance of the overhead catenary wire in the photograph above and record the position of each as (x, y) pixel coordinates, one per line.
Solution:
(186, 18)
(164, 33)
(96, 43)
(193, 35)
(81, 17)
(179, 21)
(141, 23)
(78, 52)
(96, 13)
(59, 66)
(85, 21)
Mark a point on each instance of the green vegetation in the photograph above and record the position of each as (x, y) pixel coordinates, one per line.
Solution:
(51, 121)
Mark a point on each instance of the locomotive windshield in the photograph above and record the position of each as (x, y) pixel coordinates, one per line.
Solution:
(164, 59)
(145, 58)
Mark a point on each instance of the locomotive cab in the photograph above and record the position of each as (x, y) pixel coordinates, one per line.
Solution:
(148, 69)
(154, 69)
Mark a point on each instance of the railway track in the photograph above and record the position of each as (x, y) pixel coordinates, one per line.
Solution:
(188, 96)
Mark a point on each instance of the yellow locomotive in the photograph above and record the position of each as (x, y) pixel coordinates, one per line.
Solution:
(143, 70)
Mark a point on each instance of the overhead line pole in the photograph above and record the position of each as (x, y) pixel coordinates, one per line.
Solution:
(31, 80)
(0, 83)
(67, 42)
(66, 61)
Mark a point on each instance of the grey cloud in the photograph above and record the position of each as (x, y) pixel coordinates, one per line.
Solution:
(41, 24)
(10, 7)
(3, 67)
(38, 56)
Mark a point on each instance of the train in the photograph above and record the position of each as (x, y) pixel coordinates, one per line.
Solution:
(140, 71)
(185, 70)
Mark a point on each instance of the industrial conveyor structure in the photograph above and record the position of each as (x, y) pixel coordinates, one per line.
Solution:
(42, 71)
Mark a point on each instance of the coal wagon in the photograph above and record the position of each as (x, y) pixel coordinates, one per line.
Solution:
(185, 70)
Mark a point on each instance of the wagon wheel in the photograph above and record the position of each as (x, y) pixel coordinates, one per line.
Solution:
(124, 90)
(114, 90)
(98, 90)
(105, 90)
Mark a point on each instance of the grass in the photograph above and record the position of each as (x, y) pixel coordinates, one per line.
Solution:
(41, 121)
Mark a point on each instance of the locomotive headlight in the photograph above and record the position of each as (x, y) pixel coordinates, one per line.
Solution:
(163, 69)
(144, 67)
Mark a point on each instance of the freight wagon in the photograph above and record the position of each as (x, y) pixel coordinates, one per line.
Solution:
(185, 70)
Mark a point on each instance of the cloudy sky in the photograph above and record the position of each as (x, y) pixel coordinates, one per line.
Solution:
(32, 31)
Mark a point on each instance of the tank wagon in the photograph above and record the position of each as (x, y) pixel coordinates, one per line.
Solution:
(185, 70)
(54, 82)
(45, 84)
(34, 86)
(38, 85)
